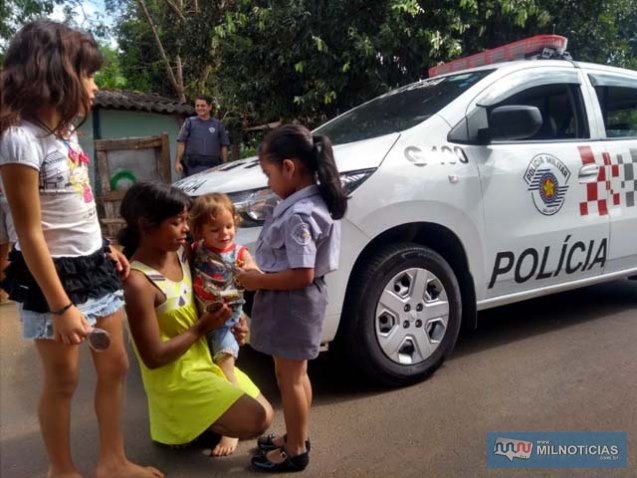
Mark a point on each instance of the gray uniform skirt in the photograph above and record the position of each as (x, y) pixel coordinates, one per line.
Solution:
(289, 324)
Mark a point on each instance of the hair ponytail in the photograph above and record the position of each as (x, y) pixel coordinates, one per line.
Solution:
(128, 238)
(316, 156)
(329, 180)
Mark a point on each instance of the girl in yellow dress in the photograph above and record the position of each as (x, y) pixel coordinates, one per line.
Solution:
(187, 393)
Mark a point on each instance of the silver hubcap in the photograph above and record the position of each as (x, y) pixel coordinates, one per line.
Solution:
(412, 316)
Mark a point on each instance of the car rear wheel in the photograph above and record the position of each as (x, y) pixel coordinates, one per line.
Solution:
(403, 314)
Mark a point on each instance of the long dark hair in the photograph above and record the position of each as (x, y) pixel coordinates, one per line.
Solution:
(43, 67)
(316, 157)
(151, 202)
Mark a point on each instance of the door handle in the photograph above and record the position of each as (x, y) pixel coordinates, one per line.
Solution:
(588, 173)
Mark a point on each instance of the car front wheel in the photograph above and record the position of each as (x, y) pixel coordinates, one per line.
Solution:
(403, 314)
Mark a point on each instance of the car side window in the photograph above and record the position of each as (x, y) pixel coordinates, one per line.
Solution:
(618, 101)
(562, 110)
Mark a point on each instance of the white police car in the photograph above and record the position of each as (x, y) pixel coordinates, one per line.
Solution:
(478, 187)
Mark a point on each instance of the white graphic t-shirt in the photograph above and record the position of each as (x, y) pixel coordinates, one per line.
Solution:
(69, 218)
(5, 217)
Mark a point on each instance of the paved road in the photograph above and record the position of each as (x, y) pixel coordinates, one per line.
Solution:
(561, 363)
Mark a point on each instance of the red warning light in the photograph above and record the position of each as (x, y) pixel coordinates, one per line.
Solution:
(518, 50)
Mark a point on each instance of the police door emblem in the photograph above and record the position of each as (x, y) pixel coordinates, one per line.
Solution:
(547, 179)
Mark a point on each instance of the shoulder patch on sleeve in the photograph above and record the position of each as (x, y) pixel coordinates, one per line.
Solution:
(301, 234)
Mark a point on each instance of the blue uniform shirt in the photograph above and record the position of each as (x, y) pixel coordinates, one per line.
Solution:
(203, 138)
(300, 233)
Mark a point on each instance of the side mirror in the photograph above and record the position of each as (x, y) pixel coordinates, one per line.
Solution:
(513, 122)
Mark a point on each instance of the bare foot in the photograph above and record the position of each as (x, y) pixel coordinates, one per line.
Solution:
(127, 469)
(225, 447)
(4, 299)
(70, 474)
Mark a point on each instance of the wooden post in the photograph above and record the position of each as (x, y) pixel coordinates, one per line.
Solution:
(165, 158)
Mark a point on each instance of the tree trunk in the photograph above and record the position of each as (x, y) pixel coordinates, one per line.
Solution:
(176, 82)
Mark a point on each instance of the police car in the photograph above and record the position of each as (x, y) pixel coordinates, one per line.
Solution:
(497, 179)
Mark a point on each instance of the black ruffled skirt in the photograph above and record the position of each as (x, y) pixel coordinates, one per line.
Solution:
(83, 278)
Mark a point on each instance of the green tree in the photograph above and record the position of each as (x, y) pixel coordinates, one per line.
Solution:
(15, 13)
(597, 31)
(168, 44)
(110, 75)
(139, 60)
(310, 59)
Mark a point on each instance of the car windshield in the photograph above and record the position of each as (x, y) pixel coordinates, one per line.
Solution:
(399, 109)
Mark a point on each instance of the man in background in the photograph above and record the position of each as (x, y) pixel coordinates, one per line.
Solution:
(203, 141)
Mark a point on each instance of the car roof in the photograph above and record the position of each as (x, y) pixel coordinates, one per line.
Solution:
(509, 66)
(607, 68)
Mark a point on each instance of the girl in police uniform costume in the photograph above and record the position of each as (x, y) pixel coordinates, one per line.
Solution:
(298, 245)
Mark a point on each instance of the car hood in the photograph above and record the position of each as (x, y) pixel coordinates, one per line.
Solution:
(246, 174)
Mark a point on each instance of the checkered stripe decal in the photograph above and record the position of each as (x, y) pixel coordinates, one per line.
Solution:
(629, 178)
(616, 182)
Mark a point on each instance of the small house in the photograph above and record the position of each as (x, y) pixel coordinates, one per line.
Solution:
(119, 114)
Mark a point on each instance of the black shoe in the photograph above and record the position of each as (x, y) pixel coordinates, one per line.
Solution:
(289, 464)
(265, 443)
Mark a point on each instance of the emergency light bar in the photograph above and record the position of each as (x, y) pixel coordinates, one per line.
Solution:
(544, 45)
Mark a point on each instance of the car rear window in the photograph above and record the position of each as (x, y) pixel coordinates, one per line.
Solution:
(618, 100)
(399, 109)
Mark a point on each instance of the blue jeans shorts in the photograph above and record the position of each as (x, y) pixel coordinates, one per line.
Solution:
(40, 326)
(222, 340)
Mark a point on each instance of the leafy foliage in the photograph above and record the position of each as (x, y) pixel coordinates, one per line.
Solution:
(266, 60)
(140, 61)
(186, 60)
(311, 59)
(110, 75)
(15, 13)
(597, 31)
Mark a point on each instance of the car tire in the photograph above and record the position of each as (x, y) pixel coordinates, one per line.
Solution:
(393, 346)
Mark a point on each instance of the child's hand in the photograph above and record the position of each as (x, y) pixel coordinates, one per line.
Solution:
(211, 320)
(71, 327)
(240, 330)
(248, 262)
(249, 279)
(121, 262)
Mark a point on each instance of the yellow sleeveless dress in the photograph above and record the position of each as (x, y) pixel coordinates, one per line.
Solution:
(188, 395)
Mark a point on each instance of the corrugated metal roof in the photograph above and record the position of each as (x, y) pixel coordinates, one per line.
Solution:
(135, 100)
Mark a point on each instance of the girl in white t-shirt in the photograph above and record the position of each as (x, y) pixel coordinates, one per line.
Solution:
(63, 277)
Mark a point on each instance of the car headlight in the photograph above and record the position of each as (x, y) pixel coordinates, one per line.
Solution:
(253, 205)
(352, 179)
